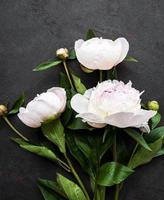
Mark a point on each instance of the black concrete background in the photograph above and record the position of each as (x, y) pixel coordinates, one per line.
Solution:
(30, 31)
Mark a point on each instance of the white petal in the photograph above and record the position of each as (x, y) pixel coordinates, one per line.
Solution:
(124, 50)
(79, 103)
(28, 118)
(125, 119)
(90, 117)
(61, 93)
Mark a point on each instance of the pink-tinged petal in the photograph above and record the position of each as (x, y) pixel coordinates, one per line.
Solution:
(124, 50)
(127, 119)
(28, 118)
(79, 103)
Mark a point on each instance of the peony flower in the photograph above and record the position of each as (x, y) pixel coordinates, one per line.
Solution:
(102, 54)
(113, 103)
(46, 106)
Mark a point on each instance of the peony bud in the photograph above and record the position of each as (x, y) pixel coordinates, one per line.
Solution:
(153, 105)
(62, 53)
(44, 107)
(3, 110)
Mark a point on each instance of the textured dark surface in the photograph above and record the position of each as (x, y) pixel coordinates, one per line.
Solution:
(30, 31)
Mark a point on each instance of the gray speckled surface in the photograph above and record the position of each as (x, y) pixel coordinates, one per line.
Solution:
(30, 31)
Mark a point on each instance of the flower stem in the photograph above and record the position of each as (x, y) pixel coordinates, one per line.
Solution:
(117, 191)
(77, 177)
(14, 129)
(101, 75)
(68, 74)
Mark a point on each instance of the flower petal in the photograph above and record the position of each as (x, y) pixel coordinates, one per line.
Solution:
(28, 118)
(127, 119)
(79, 103)
(124, 49)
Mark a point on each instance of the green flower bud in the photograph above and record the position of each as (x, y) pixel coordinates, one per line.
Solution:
(62, 53)
(153, 105)
(3, 110)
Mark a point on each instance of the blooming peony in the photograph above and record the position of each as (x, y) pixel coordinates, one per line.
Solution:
(103, 54)
(48, 105)
(113, 103)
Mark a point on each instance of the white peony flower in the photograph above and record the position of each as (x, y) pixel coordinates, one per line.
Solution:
(113, 103)
(102, 54)
(48, 105)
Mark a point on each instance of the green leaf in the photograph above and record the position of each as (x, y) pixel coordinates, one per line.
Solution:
(64, 82)
(130, 59)
(66, 116)
(46, 65)
(72, 55)
(54, 131)
(155, 120)
(80, 87)
(52, 185)
(49, 194)
(155, 134)
(90, 34)
(143, 156)
(19, 141)
(41, 151)
(18, 103)
(72, 190)
(112, 173)
(137, 137)
(78, 124)
(76, 153)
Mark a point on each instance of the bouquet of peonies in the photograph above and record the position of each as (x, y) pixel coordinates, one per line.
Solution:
(106, 129)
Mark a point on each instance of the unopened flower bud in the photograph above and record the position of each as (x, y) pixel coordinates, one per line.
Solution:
(86, 70)
(3, 110)
(62, 53)
(153, 105)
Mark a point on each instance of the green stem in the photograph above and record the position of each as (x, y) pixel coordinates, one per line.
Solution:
(14, 129)
(63, 165)
(101, 75)
(116, 197)
(117, 192)
(77, 177)
(68, 74)
(129, 162)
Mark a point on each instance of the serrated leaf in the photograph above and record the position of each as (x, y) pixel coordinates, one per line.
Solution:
(130, 59)
(154, 134)
(46, 65)
(143, 156)
(80, 87)
(137, 137)
(72, 190)
(54, 131)
(112, 173)
(18, 103)
(78, 124)
(49, 194)
(53, 186)
(72, 55)
(90, 34)
(155, 120)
